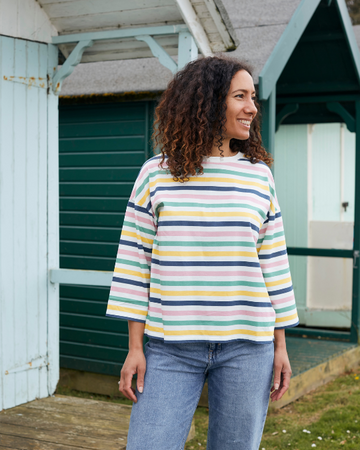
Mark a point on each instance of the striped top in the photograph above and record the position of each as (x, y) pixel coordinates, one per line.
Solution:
(204, 260)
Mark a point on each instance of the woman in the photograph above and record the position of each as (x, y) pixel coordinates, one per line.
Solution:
(202, 268)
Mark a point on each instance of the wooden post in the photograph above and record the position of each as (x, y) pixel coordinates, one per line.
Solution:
(355, 313)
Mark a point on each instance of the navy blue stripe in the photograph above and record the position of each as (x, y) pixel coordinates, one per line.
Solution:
(124, 318)
(206, 263)
(210, 303)
(281, 291)
(144, 210)
(182, 187)
(273, 255)
(181, 223)
(288, 326)
(204, 341)
(132, 282)
(135, 244)
(270, 217)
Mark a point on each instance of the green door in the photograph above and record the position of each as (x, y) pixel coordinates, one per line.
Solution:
(102, 147)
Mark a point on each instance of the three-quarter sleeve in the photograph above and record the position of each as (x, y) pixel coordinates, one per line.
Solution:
(129, 293)
(274, 264)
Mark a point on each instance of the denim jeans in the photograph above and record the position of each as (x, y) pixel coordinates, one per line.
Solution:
(239, 377)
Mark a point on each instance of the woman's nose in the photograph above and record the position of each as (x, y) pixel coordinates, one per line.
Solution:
(250, 107)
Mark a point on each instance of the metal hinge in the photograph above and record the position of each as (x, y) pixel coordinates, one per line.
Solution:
(38, 82)
(356, 256)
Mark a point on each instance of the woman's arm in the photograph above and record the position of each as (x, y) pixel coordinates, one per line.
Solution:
(282, 368)
(135, 362)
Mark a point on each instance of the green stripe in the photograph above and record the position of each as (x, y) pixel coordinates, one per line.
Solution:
(211, 323)
(275, 274)
(128, 301)
(287, 308)
(141, 188)
(270, 237)
(274, 235)
(142, 229)
(236, 173)
(128, 262)
(206, 244)
(207, 283)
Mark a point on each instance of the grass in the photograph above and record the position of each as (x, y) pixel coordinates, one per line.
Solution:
(331, 412)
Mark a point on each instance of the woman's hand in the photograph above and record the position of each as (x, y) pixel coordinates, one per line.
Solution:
(135, 363)
(282, 368)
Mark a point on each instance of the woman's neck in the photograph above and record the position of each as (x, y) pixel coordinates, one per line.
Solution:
(226, 151)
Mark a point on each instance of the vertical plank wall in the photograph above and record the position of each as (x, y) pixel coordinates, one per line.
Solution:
(102, 148)
(24, 221)
(291, 173)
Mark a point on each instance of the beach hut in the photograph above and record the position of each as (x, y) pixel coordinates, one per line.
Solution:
(306, 68)
(41, 42)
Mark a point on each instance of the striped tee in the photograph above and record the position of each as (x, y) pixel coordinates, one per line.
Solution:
(204, 260)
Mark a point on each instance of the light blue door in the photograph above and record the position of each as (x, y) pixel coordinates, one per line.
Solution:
(28, 304)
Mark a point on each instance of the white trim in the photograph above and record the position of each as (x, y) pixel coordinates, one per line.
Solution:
(310, 129)
(342, 169)
(52, 224)
(81, 277)
(216, 17)
(193, 23)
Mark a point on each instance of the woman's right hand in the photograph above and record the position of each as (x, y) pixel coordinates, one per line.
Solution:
(135, 363)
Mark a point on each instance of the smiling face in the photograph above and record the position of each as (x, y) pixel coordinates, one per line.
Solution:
(241, 108)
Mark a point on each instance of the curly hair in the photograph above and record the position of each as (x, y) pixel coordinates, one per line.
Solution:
(191, 116)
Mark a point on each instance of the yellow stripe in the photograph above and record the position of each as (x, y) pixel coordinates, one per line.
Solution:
(207, 293)
(130, 310)
(202, 179)
(272, 207)
(208, 333)
(201, 253)
(285, 319)
(278, 282)
(271, 246)
(274, 245)
(210, 214)
(137, 236)
(131, 272)
(145, 196)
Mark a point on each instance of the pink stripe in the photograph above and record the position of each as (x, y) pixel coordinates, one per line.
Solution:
(211, 313)
(274, 264)
(129, 291)
(205, 274)
(242, 164)
(139, 218)
(280, 301)
(212, 197)
(122, 252)
(204, 233)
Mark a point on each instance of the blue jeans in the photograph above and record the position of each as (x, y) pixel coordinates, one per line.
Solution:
(239, 377)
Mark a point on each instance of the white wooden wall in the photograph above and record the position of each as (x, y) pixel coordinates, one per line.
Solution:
(25, 19)
(314, 174)
(29, 355)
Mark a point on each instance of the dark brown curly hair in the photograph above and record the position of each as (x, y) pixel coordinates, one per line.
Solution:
(191, 115)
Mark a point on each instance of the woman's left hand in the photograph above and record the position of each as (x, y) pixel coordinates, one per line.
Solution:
(282, 373)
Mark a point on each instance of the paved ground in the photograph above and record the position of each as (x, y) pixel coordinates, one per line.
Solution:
(307, 353)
